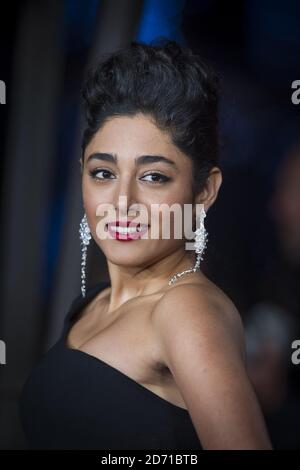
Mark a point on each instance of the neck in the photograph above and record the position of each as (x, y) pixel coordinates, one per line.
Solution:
(129, 282)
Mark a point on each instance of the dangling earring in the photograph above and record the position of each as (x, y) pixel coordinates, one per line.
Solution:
(85, 236)
(201, 237)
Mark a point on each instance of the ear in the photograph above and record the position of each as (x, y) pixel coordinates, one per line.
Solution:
(209, 193)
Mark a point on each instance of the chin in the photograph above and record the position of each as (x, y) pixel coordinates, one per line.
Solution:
(126, 256)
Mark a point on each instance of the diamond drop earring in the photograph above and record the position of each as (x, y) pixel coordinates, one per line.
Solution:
(201, 237)
(85, 236)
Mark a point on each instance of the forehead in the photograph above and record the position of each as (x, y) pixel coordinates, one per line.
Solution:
(131, 136)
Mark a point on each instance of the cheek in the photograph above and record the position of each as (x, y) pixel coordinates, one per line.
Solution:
(93, 196)
(167, 222)
(166, 214)
(91, 203)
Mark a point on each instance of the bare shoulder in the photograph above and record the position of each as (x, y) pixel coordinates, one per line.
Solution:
(201, 340)
(203, 307)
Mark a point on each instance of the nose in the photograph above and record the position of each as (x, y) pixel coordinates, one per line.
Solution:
(125, 198)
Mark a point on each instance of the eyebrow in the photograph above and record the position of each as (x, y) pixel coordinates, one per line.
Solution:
(141, 160)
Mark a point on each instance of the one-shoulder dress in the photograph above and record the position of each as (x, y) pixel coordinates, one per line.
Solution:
(73, 400)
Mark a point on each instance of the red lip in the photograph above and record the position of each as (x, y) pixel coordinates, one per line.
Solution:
(126, 236)
(122, 223)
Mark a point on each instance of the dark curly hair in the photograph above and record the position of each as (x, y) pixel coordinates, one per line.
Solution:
(167, 82)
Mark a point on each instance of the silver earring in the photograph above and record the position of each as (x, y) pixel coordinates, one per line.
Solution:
(201, 237)
(85, 236)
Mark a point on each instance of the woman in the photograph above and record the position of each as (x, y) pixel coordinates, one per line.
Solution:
(154, 358)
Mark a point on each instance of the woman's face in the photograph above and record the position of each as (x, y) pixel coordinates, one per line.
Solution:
(144, 182)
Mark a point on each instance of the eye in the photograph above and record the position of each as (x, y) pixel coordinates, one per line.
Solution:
(163, 178)
(96, 172)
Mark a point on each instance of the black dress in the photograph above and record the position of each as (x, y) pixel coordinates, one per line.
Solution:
(73, 400)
